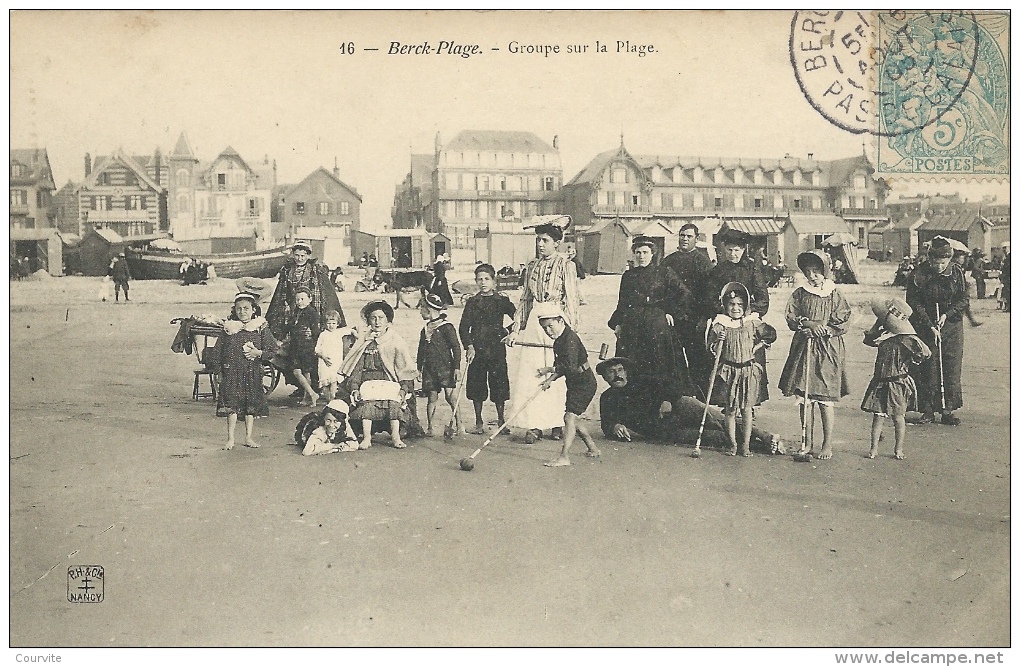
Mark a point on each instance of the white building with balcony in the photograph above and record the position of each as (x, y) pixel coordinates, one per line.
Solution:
(219, 206)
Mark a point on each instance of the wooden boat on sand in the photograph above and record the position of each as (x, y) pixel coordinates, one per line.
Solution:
(165, 265)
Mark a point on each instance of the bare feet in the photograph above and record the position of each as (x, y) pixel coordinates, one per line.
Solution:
(593, 452)
(479, 429)
(746, 453)
(251, 443)
(826, 453)
(732, 451)
(399, 444)
(873, 453)
(899, 455)
(365, 444)
(557, 462)
(430, 432)
(229, 445)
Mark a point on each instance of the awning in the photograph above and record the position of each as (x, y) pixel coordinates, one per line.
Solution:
(818, 224)
(756, 226)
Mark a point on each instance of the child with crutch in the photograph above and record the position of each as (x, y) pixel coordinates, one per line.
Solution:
(892, 392)
(815, 373)
(734, 337)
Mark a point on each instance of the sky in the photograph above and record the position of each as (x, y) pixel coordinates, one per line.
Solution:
(279, 84)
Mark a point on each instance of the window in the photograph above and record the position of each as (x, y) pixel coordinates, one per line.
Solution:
(323, 208)
(610, 198)
(221, 182)
(104, 179)
(483, 182)
(666, 201)
(299, 207)
(718, 202)
(101, 203)
(183, 204)
(635, 200)
(853, 202)
(130, 179)
(19, 197)
(254, 206)
(872, 204)
(345, 208)
(18, 170)
(796, 202)
(182, 177)
(860, 182)
(757, 202)
(550, 183)
(618, 175)
(502, 182)
(133, 203)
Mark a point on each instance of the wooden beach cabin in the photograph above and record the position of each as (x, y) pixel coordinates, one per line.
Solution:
(505, 243)
(386, 244)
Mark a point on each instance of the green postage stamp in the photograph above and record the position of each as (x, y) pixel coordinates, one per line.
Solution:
(930, 87)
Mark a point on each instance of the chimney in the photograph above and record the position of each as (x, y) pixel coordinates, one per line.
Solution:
(811, 156)
(88, 165)
(556, 141)
(336, 169)
(158, 159)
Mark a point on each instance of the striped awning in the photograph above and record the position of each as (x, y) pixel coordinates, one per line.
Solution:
(823, 223)
(756, 226)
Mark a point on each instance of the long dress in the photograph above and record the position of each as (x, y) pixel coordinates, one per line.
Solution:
(740, 378)
(314, 277)
(545, 279)
(749, 274)
(330, 344)
(827, 380)
(892, 390)
(693, 268)
(927, 290)
(240, 390)
(440, 286)
(647, 295)
(381, 357)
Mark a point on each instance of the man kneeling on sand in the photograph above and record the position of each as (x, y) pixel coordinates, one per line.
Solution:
(634, 408)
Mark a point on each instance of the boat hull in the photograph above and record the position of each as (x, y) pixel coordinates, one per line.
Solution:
(155, 265)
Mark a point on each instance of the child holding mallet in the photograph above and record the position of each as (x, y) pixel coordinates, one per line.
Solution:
(439, 354)
(570, 361)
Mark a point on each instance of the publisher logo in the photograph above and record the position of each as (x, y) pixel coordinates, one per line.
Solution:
(85, 583)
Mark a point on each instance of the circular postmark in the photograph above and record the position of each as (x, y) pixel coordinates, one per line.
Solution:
(887, 73)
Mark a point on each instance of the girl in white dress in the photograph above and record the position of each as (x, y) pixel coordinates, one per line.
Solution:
(329, 348)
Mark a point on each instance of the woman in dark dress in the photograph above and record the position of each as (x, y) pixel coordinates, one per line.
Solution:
(652, 301)
(937, 292)
(440, 286)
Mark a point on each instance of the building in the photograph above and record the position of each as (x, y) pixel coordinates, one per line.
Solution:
(477, 178)
(400, 248)
(323, 205)
(126, 194)
(975, 225)
(220, 206)
(32, 187)
(757, 195)
(65, 209)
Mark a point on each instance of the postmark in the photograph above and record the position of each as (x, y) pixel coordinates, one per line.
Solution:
(931, 88)
(86, 584)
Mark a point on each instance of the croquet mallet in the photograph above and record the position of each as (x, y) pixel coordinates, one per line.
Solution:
(803, 455)
(468, 463)
(711, 384)
(942, 377)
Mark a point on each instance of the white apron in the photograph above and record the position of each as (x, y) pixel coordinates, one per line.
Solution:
(546, 411)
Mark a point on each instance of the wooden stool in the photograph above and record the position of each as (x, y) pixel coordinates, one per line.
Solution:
(197, 392)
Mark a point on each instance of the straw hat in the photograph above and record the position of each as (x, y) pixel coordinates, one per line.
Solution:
(734, 289)
(814, 259)
(894, 313)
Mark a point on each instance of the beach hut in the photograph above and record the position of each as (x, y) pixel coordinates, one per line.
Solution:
(42, 247)
(661, 234)
(97, 249)
(605, 246)
(807, 231)
(331, 245)
(439, 244)
(842, 248)
(395, 248)
(505, 243)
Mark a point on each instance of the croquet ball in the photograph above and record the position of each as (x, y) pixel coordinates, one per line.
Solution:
(467, 464)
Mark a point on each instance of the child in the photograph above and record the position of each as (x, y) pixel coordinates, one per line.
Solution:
(304, 332)
(334, 435)
(438, 357)
(570, 359)
(817, 312)
(892, 391)
(482, 332)
(329, 348)
(737, 335)
(237, 359)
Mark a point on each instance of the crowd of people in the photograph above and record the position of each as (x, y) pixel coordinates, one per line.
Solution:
(689, 365)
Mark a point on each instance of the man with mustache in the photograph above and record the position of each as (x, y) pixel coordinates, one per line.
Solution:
(634, 408)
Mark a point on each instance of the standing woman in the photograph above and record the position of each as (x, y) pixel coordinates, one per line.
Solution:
(938, 294)
(302, 270)
(550, 277)
(652, 301)
(440, 285)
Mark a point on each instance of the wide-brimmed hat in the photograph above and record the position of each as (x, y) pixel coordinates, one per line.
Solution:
(371, 306)
(894, 313)
(613, 361)
(257, 287)
(735, 289)
(547, 310)
(302, 245)
(814, 259)
(940, 251)
(433, 301)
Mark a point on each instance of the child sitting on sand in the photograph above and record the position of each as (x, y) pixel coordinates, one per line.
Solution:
(237, 360)
(735, 337)
(570, 361)
(438, 357)
(892, 391)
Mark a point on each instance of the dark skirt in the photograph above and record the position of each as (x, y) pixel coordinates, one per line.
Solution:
(890, 397)
(927, 377)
